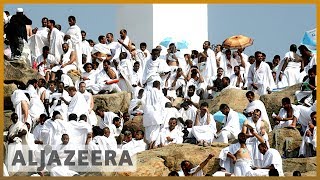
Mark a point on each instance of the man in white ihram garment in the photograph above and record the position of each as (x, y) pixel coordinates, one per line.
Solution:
(106, 75)
(153, 102)
(39, 39)
(188, 169)
(204, 129)
(211, 63)
(151, 70)
(16, 138)
(101, 51)
(124, 68)
(309, 140)
(67, 60)
(170, 112)
(21, 105)
(171, 134)
(75, 33)
(85, 47)
(231, 125)
(257, 104)
(106, 117)
(227, 62)
(55, 40)
(260, 78)
(288, 73)
(288, 115)
(88, 96)
(271, 160)
(256, 131)
(78, 104)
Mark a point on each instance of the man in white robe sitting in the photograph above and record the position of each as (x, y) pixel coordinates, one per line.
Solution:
(103, 79)
(188, 111)
(153, 103)
(171, 134)
(272, 160)
(237, 79)
(140, 144)
(135, 105)
(115, 127)
(101, 52)
(231, 125)
(170, 112)
(106, 117)
(309, 140)
(67, 60)
(56, 104)
(45, 62)
(256, 131)
(288, 115)
(204, 129)
(256, 104)
(89, 98)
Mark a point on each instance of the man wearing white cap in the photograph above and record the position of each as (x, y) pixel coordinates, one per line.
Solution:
(17, 32)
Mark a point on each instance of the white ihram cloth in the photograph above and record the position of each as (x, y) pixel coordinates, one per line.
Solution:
(150, 72)
(283, 114)
(92, 117)
(15, 146)
(231, 127)
(134, 103)
(189, 114)
(65, 59)
(36, 106)
(53, 130)
(175, 134)
(258, 104)
(223, 64)
(76, 39)
(92, 79)
(78, 105)
(304, 149)
(103, 49)
(252, 143)
(153, 102)
(38, 41)
(262, 77)
(225, 161)
(78, 132)
(291, 74)
(100, 83)
(16, 98)
(46, 67)
(86, 49)
(242, 166)
(272, 156)
(125, 70)
(63, 107)
(56, 41)
(205, 131)
(107, 119)
(304, 117)
(171, 113)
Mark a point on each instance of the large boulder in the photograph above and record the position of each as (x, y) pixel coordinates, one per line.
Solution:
(273, 101)
(303, 165)
(286, 141)
(236, 99)
(8, 89)
(19, 71)
(159, 162)
(134, 124)
(113, 102)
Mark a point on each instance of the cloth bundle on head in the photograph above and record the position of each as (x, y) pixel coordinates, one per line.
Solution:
(19, 10)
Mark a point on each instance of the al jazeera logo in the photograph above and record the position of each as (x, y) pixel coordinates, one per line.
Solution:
(84, 159)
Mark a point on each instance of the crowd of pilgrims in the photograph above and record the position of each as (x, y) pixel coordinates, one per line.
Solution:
(58, 110)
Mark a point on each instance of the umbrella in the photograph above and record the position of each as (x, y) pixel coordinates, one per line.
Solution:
(180, 44)
(309, 39)
(218, 116)
(237, 42)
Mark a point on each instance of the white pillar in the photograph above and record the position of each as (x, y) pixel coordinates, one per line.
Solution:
(152, 23)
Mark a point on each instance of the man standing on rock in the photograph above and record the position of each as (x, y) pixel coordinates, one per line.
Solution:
(188, 169)
(153, 103)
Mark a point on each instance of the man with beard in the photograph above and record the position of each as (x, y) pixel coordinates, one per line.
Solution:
(215, 83)
(39, 39)
(55, 40)
(76, 39)
(188, 169)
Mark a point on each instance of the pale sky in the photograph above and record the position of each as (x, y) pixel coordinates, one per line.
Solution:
(273, 27)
